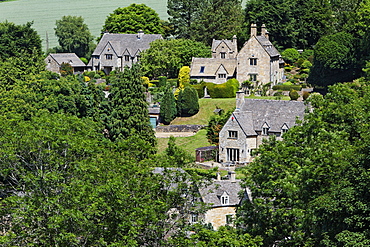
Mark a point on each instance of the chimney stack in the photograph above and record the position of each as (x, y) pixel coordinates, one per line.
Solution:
(264, 32)
(218, 176)
(232, 176)
(253, 30)
(140, 34)
(239, 99)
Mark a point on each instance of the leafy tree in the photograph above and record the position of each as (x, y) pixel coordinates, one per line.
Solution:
(182, 14)
(74, 36)
(215, 124)
(290, 55)
(187, 102)
(335, 60)
(218, 19)
(310, 20)
(166, 57)
(16, 40)
(311, 188)
(168, 110)
(184, 77)
(133, 18)
(129, 113)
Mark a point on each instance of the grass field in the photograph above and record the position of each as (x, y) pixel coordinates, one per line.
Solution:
(206, 108)
(189, 144)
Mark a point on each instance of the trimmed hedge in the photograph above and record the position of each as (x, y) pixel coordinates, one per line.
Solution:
(225, 90)
(284, 87)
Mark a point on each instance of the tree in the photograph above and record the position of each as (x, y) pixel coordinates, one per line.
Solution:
(187, 102)
(182, 15)
(308, 21)
(129, 113)
(218, 19)
(18, 39)
(133, 18)
(74, 36)
(311, 189)
(335, 60)
(168, 109)
(290, 55)
(215, 124)
(166, 57)
(184, 77)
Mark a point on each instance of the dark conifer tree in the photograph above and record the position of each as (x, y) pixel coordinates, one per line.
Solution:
(129, 115)
(168, 110)
(187, 102)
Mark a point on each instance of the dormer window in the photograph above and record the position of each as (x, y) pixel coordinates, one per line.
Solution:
(223, 55)
(265, 129)
(284, 128)
(202, 69)
(108, 56)
(127, 58)
(252, 61)
(221, 76)
(225, 200)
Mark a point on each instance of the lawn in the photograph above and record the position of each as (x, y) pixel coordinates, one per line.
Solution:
(206, 108)
(189, 144)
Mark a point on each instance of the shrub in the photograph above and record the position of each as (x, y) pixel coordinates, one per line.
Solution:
(293, 94)
(305, 95)
(172, 82)
(290, 55)
(187, 102)
(162, 81)
(286, 87)
(184, 76)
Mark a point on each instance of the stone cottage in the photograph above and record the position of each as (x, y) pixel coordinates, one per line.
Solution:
(251, 122)
(258, 61)
(117, 50)
(222, 197)
(55, 60)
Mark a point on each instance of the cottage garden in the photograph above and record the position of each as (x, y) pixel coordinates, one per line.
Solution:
(80, 164)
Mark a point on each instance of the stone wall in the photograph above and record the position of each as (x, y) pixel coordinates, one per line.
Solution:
(217, 216)
(179, 128)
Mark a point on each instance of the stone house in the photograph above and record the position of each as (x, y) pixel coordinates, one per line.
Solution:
(258, 61)
(54, 62)
(117, 50)
(223, 197)
(251, 122)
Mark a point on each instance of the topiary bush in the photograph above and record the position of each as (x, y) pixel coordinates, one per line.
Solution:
(293, 94)
(305, 95)
(284, 87)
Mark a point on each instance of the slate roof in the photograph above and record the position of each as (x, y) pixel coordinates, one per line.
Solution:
(212, 193)
(216, 43)
(70, 58)
(211, 66)
(268, 46)
(255, 112)
(123, 43)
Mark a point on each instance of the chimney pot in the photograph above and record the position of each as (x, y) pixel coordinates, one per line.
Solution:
(253, 30)
(232, 176)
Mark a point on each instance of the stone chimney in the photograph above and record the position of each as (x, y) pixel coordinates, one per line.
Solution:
(218, 176)
(140, 34)
(232, 176)
(264, 32)
(235, 43)
(253, 30)
(240, 100)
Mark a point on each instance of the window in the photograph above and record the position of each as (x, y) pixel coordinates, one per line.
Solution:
(265, 131)
(253, 77)
(127, 58)
(232, 154)
(252, 61)
(233, 134)
(224, 199)
(221, 76)
(194, 218)
(284, 128)
(229, 219)
(108, 56)
(223, 54)
(202, 69)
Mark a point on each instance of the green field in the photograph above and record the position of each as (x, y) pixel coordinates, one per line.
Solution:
(44, 13)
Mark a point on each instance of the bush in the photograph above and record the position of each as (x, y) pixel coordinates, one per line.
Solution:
(290, 55)
(162, 81)
(225, 90)
(172, 82)
(293, 94)
(305, 95)
(287, 87)
(187, 103)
